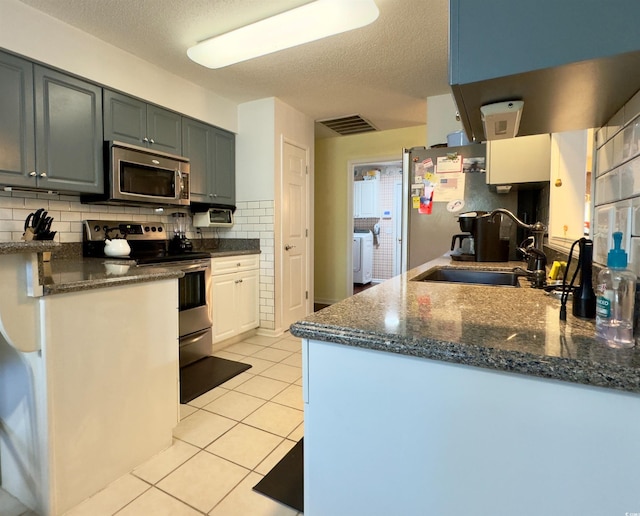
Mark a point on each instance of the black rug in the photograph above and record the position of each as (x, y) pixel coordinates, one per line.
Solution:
(205, 374)
(285, 482)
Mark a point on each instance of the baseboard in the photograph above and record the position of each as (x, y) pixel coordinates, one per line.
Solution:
(219, 346)
(266, 332)
(326, 301)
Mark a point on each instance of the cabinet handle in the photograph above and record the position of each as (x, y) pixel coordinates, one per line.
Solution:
(238, 264)
(33, 173)
(145, 139)
(43, 174)
(239, 281)
(210, 195)
(152, 140)
(215, 195)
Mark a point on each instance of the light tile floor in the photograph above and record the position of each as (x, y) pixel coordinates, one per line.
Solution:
(226, 441)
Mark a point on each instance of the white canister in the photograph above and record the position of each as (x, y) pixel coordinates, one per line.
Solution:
(456, 139)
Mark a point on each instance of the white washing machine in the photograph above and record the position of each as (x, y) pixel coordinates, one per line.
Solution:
(362, 256)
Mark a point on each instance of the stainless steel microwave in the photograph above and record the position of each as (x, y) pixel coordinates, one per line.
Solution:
(141, 176)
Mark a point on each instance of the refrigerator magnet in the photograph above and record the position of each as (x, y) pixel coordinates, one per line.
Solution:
(454, 206)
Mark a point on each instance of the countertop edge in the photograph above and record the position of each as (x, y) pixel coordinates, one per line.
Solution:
(143, 275)
(33, 246)
(571, 370)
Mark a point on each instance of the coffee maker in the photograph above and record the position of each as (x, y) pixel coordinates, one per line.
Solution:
(481, 241)
(180, 243)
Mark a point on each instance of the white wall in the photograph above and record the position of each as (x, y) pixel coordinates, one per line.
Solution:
(37, 36)
(441, 118)
(263, 126)
(255, 150)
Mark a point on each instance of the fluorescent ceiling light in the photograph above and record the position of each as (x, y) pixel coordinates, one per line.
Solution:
(303, 24)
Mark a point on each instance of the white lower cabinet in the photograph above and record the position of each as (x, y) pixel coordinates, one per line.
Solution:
(235, 288)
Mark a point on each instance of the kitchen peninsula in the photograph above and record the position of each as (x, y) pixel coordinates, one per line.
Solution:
(448, 399)
(88, 373)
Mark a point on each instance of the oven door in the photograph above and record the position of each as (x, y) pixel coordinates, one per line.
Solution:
(193, 295)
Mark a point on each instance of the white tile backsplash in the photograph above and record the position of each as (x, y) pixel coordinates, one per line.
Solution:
(608, 187)
(618, 177)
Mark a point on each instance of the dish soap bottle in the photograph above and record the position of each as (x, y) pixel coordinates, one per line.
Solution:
(616, 299)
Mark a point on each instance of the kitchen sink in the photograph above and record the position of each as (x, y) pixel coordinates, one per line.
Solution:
(471, 276)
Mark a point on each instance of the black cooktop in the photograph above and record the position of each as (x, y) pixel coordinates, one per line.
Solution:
(165, 257)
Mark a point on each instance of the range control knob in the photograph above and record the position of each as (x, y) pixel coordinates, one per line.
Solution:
(160, 229)
(153, 229)
(146, 228)
(96, 228)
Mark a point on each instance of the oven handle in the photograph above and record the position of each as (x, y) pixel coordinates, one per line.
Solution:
(180, 183)
(185, 341)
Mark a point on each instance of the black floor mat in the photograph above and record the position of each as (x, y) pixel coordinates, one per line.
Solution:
(205, 374)
(285, 482)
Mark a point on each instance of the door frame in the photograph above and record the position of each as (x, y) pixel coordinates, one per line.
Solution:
(351, 166)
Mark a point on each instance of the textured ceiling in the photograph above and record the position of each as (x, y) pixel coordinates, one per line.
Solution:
(384, 71)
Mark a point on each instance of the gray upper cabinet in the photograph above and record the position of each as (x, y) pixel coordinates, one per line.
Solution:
(50, 129)
(573, 63)
(68, 133)
(130, 120)
(211, 152)
(17, 133)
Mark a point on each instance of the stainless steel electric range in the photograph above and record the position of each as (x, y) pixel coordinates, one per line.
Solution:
(149, 245)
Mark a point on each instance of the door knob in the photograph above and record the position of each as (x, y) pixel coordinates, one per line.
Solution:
(288, 247)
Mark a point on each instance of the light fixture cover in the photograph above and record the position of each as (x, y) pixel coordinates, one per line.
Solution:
(303, 24)
(501, 119)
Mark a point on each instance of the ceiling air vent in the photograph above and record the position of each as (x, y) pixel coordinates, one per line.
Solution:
(352, 124)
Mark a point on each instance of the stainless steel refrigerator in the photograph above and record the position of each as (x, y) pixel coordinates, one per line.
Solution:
(437, 189)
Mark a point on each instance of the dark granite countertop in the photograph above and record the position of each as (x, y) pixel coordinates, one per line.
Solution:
(77, 274)
(222, 254)
(516, 330)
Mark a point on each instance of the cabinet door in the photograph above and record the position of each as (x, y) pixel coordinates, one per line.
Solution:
(224, 302)
(195, 145)
(17, 149)
(68, 133)
(125, 118)
(357, 195)
(248, 300)
(519, 160)
(224, 178)
(369, 199)
(542, 25)
(164, 130)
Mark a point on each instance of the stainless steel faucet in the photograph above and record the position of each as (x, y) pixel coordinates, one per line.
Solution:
(536, 259)
(538, 229)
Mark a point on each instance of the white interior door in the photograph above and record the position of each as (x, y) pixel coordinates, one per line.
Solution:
(294, 235)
